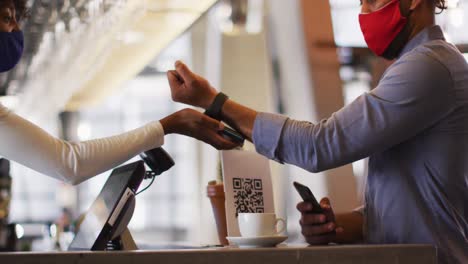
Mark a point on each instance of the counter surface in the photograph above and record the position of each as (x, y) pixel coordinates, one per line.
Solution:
(382, 254)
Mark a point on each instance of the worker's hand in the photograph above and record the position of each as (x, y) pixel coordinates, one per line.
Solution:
(318, 229)
(194, 124)
(190, 88)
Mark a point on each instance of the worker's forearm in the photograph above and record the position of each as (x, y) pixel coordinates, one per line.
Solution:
(352, 224)
(239, 117)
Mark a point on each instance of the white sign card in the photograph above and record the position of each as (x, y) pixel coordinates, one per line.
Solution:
(247, 186)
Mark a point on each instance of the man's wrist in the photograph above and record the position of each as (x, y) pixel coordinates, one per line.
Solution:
(209, 101)
(168, 124)
(352, 223)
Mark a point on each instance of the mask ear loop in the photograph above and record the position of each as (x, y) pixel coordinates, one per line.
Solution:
(406, 28)
(408, 13)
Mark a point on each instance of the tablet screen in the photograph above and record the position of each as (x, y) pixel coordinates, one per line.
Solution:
(97, 227)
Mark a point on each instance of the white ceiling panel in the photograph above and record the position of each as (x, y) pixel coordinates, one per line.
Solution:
(94, 59)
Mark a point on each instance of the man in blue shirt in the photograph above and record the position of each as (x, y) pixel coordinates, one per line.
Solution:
(413, 126)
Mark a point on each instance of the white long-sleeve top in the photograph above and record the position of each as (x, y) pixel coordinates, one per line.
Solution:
(25, 143)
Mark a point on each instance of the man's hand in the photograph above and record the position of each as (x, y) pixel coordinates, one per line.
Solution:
(319, 229)
(194, 124)
(190, 88)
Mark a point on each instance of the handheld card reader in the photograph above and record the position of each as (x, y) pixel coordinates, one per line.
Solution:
(158, 160)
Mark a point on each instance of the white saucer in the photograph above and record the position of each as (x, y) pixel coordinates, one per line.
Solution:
(256, 242)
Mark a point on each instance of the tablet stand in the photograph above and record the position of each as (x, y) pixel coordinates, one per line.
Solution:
(123, 239)
(123, 242)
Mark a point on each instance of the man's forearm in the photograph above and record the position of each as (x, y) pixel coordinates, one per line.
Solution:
(239, 117)
(352, 224)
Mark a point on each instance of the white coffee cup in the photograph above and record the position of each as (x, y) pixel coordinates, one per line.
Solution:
(259, 224)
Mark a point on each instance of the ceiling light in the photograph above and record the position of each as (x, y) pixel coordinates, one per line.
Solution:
(84, 131)
(10, 102)
(131, 37)
(453, 3)
(241, 16)
(19, 231)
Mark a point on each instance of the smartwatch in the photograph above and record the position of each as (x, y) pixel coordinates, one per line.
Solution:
(214, 110)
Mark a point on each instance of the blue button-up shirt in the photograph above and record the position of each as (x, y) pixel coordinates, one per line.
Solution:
(414, 128)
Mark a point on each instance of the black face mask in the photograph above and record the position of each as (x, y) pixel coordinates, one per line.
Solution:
(396, 46)
(11, 49)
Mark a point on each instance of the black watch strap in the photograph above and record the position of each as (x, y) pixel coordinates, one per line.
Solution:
(214, 111)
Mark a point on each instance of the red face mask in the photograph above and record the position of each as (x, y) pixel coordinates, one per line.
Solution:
(381, 27)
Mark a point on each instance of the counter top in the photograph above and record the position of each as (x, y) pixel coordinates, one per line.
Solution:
(382, 254)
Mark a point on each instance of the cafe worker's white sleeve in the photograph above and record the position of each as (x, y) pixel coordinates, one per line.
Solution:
(27, 144)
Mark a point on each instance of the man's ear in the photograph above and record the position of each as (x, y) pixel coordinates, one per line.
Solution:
(415, 4)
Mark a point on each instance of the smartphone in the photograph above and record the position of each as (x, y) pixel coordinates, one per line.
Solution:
(233, 135)
(308, 196)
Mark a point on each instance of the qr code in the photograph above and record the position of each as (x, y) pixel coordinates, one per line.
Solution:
(248, 195)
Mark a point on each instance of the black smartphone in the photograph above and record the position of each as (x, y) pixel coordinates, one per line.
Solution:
(233, 135)
(308, 196)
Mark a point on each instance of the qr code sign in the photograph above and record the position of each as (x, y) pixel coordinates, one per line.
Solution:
(248, 195)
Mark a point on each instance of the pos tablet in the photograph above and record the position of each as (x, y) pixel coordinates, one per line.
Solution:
(112, 210)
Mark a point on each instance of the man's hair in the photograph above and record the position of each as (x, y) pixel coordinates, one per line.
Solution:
(440, 4)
